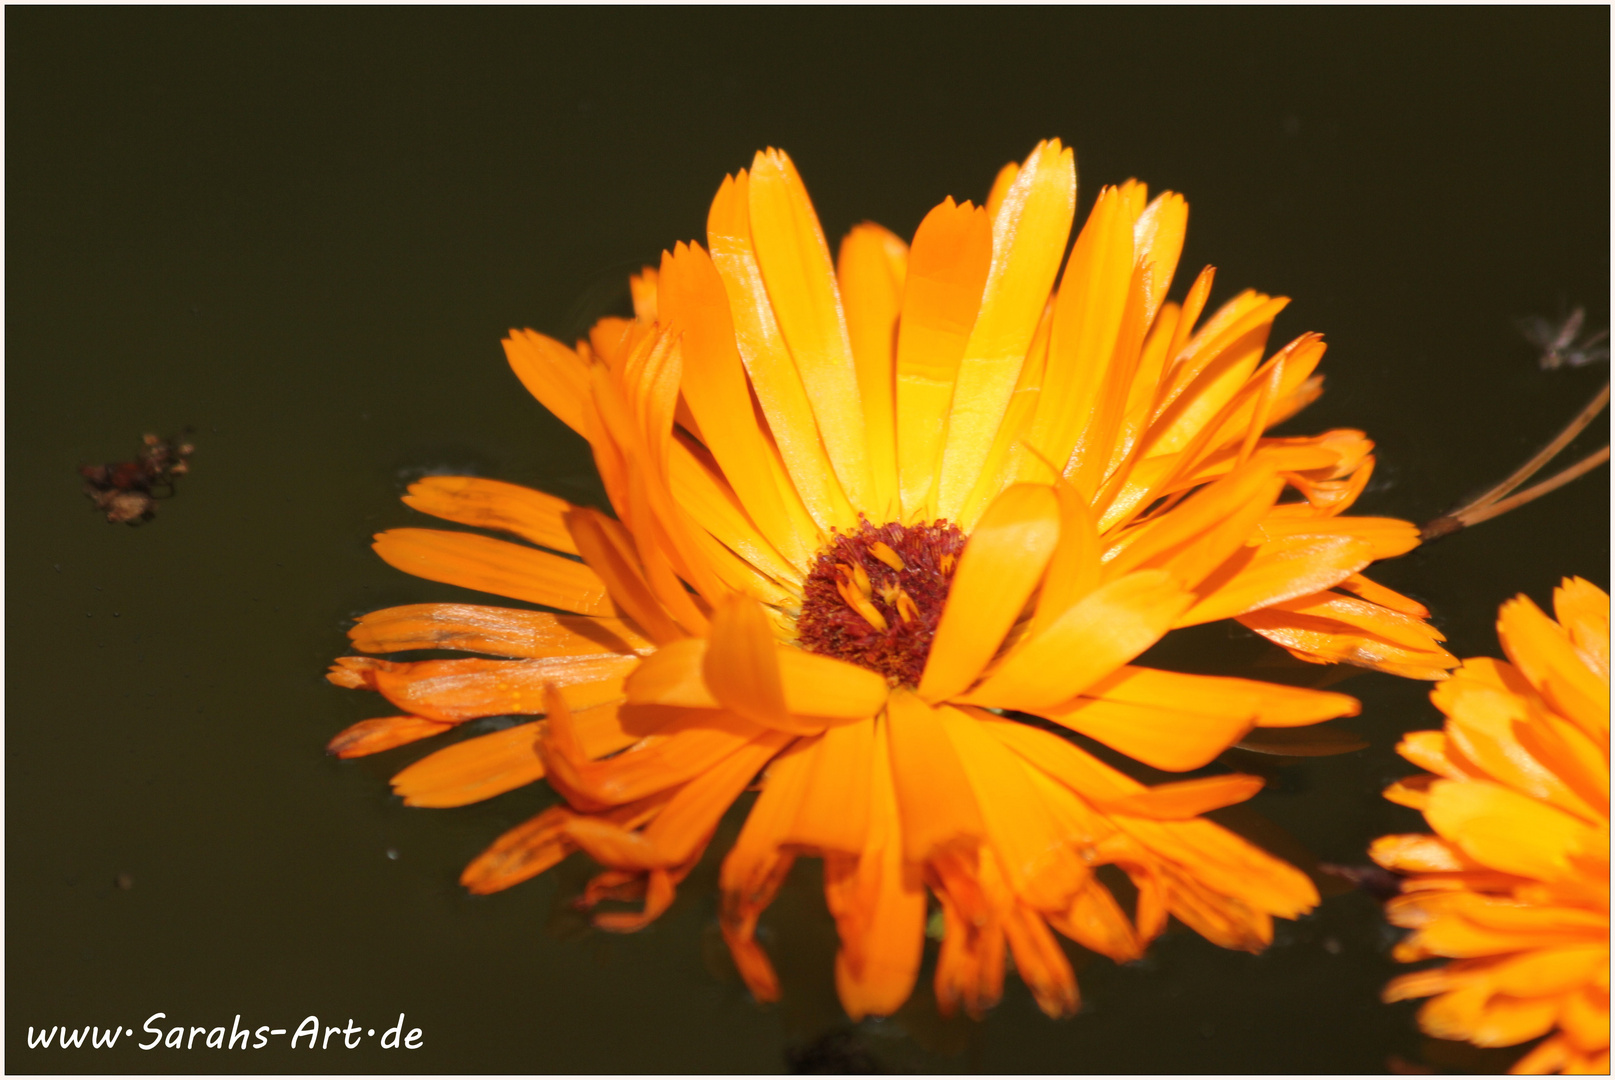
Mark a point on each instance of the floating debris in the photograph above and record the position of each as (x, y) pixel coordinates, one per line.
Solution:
(127, 491)
(1561, 342)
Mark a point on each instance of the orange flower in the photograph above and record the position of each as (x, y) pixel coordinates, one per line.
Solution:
(1515, 883)
(862, 510)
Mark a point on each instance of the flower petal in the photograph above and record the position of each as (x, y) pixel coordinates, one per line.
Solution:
(715, 387)
(1029, 239)
(756, 866)
(1188, 798)
(492, 504)
(1506, 830)
(817, 688)
(382, 733)
(451, 691)
(795, 264)
(878, 901)
(1168, 739)
(1283, 570)
(493, 764)
(1096, 635)
(1267, 704)
(496, 566)
(552, 373)
(998, 569)
(741, 666)
(947, 270)
(1583, 610)
(834, 807)
(871, 268)
(1542, 650)
(934, 794)
(773, 373)
(494, 630)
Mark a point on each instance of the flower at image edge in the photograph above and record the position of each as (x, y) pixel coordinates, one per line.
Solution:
(863, 511)
(1514, 885)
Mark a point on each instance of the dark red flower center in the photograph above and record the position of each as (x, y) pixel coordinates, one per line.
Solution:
(873, 597)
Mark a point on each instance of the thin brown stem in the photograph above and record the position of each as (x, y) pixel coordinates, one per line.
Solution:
(1543, 456)
(1498, 499)
(1503, 506)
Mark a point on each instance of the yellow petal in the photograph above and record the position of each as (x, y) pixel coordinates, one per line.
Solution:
(1095, 921)
(1582, 608)
(878, 901)
(1188, 798)
(1325, 641)
(1157, 242)
(1029, 239)
(480, 562)
(1214, 367)
(1164, 738)
(691, 815)
(1087, 318)
(1036, 854)
(1505, 830)
(773, 373)
(704, 492)
(1418, 853)
(382, 733)
(871, 268)
(947, 271)
(608, 550)
(1265, 704)
(1550, 971)
(1095, 636)
(1268, 575)
(1485, 722)
(795, 264)
(494, 630)
(817, 688)
(1002, 463)
(491, 504)
(741, 667)
(693, 299)
(998, 569)
(456, 690)
(833, 810)
(938, 807)
(473, 770)
(1202, 532)
(756, 866)
(1000, 188)
(1508, 1021)
(1075, 568)
(1542, 650)
(552, 373)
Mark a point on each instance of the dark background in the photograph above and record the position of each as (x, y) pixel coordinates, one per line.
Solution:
(304, 232)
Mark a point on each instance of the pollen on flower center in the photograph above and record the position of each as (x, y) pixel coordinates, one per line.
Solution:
(873, 597)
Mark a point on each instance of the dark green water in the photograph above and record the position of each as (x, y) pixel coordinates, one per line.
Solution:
(303, 232)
